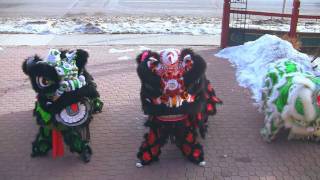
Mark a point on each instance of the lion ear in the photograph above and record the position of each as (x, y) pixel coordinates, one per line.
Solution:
(143, 56)
(186, 54)
(29, 63)
(81, 58)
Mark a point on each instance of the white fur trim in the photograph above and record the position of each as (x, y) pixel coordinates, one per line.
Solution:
(305, 81)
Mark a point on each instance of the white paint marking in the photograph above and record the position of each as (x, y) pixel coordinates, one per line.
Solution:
(143, 48)
(124, 58)
(113, 50)
(73, 4)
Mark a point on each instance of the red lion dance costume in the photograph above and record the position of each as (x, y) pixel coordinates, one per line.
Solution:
(178, 99)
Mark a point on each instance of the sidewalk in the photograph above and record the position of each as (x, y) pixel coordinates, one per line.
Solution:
(233, 147)
(107, 39)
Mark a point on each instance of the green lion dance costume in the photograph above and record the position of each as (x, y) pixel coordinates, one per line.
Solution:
(66, 99)
(291, 99)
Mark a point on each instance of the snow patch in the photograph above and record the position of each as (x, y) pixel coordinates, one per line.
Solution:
(253, 58)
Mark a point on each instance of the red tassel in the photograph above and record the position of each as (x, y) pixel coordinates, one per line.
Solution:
(146, 156)
(196, 153)
(215, 99)
(209, 107)
(57, 144)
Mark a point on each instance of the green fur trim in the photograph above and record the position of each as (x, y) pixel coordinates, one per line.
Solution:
(290, 67)
(274, 78)
(315, 80)
(45, 116)
(281, 101)
(273, 127)
(299, 106)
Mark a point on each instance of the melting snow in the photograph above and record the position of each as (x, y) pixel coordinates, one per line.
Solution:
(253, 58)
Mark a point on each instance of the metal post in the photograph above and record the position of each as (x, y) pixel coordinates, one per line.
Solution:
(294, 19)
(283, 6)
(225, 24)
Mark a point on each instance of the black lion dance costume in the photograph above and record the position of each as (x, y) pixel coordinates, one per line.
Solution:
(66, 99)
(178, 98)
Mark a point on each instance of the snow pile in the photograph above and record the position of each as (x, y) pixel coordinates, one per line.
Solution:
(253, 58)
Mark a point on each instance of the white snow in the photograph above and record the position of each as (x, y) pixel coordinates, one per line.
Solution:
(253, 58)
(138, 25)
(113, 50)
(112, 25)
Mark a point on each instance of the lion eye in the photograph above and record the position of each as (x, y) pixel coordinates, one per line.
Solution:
(43, 82)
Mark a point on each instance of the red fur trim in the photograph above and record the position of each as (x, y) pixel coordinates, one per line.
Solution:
(186, 149)
(187, 123)
(199, 116)
(215, 99)
(189, 138)
(196, 153)
(155, 150)
(144, 145)
(206, 95)
(146, 156)
(209, 107)
(210, 88)
(151, 138)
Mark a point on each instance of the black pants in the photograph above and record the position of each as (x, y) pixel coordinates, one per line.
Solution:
(183, 133)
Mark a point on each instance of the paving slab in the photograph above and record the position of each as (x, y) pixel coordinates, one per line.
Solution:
(233, 147)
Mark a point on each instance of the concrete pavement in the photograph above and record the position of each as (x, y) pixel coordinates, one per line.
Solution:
(107, 39)
(233, 147)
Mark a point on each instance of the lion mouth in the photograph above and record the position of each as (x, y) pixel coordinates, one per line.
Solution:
(75, 114)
